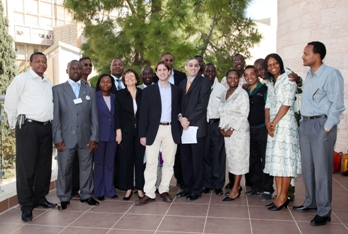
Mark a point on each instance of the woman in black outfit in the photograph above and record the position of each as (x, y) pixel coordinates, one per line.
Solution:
(127, 107)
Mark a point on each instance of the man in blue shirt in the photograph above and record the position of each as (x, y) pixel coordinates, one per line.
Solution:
(322, 103)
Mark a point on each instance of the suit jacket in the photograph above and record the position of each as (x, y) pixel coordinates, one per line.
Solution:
(124, 112)
(74, 124)
(178, 77)
(150, 113)
(106, 118)
(194, 104)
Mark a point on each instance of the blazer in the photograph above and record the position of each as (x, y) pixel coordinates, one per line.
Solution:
(106, 118)
(194, 104)
(124, 112)
(74, 124)
(178, 77)
(150, 113)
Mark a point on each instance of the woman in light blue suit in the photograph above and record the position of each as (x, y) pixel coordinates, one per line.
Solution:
(104, 155)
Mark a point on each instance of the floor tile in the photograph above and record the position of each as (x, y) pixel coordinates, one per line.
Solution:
(123, 231)
(263, 213)
(269, 227)
(182, 224)
(58, 218)
(228, 211)
(9, 227)
(35, 229)
(329, 228)
(15, 216)
(308, 216)
(154, 208)
(114, 207)
(220, 225)
(81, 230)
(102, 220)
(142, 222)
(190, 209)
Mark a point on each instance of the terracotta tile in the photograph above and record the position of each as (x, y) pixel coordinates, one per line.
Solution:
(82, 230)
(142, 222)
(122, 231)
(328, 228)
(13, 201)
(222, 211)
(3, 205)
(339, 203)
(262, 213)
(155, 208)
(219, 225)
(308, 216)
(341, 214)
(14, 216)
(9, 227)
(102, 220)
(190, 209)
(114, 207)
(182, 224)
(57, 218)
(269, 227)
(241, 201)
(35, 229)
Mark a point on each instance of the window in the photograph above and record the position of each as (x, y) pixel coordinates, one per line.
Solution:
(33, 20)
(20, 50)
(31, 6)
(18, 5)
(18, 18)
(45, 8)
(60, 12)
(46, 22)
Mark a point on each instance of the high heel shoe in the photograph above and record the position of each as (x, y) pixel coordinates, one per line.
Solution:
(127, 198)
(140, 197)
(269, 205)
(276, 208)
(232, 198)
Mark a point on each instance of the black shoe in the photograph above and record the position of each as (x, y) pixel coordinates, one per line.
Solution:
(276, 208)
(192, 197)
(114, 197)
(90, 201)
(252, 193)
(303, 208)
(320, 221)
(63, 205)
(229, 186)
(27, 216)
(266, 196)
(127, 198)
(206, 190)
(101, 198)
(269, 205)
(46, 205)
(183, 194)
(230, 198)
(218, 192)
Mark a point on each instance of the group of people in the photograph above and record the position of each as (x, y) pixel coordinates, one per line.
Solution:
(139, 136)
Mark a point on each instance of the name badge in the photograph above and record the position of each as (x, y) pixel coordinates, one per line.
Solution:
(77, 101)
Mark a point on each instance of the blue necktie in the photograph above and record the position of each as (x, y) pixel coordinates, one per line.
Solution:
(119, 86)
(77, 89)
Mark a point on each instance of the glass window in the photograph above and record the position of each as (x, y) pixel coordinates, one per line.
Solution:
(19, 18)
(33, 20)
(46, 22)
(31, 6)
(46, 8)
(60, 12)
(20, 50)
(18, 5)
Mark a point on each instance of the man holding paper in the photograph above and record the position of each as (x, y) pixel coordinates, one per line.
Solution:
(195, 91)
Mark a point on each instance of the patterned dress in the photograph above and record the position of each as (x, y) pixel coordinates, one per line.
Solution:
(234, 114)
(283, 150)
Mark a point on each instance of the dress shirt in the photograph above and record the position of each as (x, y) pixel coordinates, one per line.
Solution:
(72, 84)
(171, 78)
(31, 95)
(214, 100)
(323, 95)
(117, 80)
(166, 102)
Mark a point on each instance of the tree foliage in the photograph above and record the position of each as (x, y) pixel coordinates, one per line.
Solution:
(142, 30)
(8, 71)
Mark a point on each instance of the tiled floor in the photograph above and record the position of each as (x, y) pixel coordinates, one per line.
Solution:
(206, 215)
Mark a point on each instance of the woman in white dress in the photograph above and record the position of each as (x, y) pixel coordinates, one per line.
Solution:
(234, 126)
(283, 150)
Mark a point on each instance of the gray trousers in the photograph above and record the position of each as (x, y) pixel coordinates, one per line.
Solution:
(317, 148)
(65, 165)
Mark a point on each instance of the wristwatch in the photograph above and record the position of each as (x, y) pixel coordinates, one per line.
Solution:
(327, 129)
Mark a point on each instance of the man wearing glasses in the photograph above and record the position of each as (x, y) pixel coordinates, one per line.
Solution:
(86, 69)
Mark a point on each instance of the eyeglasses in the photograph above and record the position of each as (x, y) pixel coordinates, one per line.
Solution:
(87, 65)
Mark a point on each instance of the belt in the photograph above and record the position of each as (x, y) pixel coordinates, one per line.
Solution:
(314, 117)
(165, 123)
(211, 121)
(38, 122)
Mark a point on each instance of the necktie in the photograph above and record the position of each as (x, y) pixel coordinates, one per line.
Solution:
(77, 89)
(188, 85)
(119, 86)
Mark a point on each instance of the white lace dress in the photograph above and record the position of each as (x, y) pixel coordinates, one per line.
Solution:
(283, 150)
(234, 114)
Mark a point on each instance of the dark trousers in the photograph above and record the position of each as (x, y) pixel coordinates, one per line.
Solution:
(131, 159)
(75, 176)
(104, 167)
(192, 161)
(259, 180)
(177, 167)
(214, 158)
(33, 163)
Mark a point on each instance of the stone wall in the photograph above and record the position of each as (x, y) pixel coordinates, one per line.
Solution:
(302, 21)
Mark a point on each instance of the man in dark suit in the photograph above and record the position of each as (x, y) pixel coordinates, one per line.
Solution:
(75, 128)
(195, 92)
(116, 68)
(158, 126)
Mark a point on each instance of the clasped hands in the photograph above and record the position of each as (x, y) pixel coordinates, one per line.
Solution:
(270, 126)
(226, 133)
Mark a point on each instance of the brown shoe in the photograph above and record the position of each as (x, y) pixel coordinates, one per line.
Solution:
(144, 200)
(76, 197)
(166, 197)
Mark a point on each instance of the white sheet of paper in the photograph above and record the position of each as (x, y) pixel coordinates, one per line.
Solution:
(189, 136)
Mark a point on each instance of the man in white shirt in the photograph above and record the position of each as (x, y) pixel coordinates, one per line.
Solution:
(215, 156)
(29, 108)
